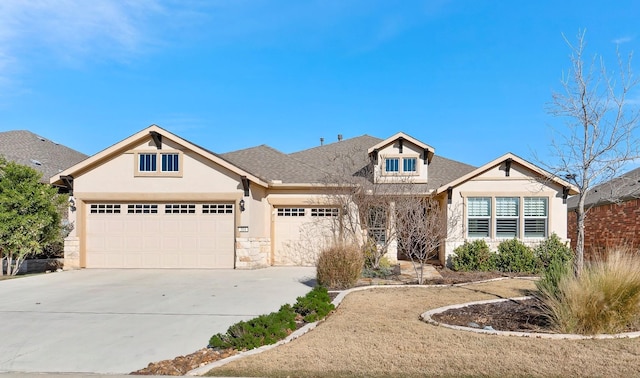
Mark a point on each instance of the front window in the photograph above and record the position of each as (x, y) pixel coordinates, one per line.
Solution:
(147, 162)
(535, 217)
(377, 224)
(391, 164)
(170, 162)
(409, 164)
(507, 217)
(479, 217)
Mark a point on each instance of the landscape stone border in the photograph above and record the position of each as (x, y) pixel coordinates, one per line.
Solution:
(427, 317)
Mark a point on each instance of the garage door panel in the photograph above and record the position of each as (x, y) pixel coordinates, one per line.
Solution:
(160, 240)
(300, 235)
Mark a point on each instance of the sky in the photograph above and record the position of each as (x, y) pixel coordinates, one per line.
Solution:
(471, 78)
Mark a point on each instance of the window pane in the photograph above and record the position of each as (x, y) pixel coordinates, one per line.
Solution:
(391, 165)
(170, 163)
(535, 228)
(479, 206)
(507, 228)
(409, 164)
(479, 228)
(147, 162)
(535, 207)
(507, 206)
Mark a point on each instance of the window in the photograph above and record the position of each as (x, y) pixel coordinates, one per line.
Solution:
(217, 208)
(507, 217)
(151, 163)
(105, 209)
(180, 209)
(377, 224)
(535, 217)
(170, 162)
(142, 209)
(479, 216)
(147, 162)
(391, 164)
(409, 164)
(290, 212)
(324, 212)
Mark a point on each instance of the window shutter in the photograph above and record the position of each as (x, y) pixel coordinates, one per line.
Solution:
(479, 207)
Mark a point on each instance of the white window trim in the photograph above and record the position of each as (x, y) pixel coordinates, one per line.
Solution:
(401, 171)
(158, 172)
(489, 217)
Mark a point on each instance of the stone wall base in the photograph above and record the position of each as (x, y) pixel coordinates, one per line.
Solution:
(71, 253)
(252, 253)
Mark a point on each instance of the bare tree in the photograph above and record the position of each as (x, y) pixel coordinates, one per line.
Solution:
(599, 137)
(423, 228)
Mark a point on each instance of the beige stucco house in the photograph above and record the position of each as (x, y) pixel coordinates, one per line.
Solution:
(155, 200)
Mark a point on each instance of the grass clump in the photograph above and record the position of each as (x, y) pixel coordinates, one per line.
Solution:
(514, 256)
(604, 298)
(474, 255)
(340, 266)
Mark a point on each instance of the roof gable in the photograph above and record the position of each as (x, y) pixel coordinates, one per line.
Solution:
(150, 133)
(502, 159)
(402, 136)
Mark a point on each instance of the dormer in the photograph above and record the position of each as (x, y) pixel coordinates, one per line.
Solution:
(400, 159)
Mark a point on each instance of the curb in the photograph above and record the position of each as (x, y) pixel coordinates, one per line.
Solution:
(427, 318)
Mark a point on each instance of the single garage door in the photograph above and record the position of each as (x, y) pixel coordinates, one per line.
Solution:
(160, 235)
(301, 233)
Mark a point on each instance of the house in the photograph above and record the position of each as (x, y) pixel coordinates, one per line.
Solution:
(41, 154)
(156, 200)
(612, 214)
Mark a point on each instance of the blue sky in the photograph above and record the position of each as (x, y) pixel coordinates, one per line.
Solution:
(471, 78)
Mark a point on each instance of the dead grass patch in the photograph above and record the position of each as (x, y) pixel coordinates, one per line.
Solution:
(377, 333)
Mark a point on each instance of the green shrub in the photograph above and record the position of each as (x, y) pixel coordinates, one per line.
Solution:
(315, 305)
(254, 333)
(604, 298)
(551, 275)
(550, 250)
(340, 266)
(514, 256)
(473, 256)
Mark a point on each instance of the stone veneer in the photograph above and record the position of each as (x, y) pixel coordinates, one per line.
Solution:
(71, 253)
(252, 253)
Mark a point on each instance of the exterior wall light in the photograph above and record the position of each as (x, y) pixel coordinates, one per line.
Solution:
(241, 205)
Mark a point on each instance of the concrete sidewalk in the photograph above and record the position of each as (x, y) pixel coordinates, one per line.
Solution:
(117, 321)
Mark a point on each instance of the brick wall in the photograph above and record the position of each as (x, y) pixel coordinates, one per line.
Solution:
(607, 226)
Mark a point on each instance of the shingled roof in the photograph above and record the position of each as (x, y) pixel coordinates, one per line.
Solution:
(46, 156)
(314, 165)
(620, 189)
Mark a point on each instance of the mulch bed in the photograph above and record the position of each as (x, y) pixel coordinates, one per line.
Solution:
(183, 364)
(511, 315)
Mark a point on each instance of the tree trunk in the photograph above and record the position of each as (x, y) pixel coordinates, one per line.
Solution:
(578, 263)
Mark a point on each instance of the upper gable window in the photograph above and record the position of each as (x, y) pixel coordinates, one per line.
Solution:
(401, 165)
(391, 164)
(158, 164)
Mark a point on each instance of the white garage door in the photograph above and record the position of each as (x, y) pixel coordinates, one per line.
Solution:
(301, 233)
(163, 235)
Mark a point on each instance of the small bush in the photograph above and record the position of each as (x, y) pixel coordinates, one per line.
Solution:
(473, 256)
(514, 256)
(552, 275)
(340, 266)
(254, 333)
(315, 305)
(604, 298)
(550, 250)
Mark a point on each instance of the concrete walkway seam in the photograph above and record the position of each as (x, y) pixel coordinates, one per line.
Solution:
(308, 327)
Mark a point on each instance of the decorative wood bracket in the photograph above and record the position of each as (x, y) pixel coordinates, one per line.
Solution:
(565, 194)
(68, 183)
(400, 144)
(374, 157)
(449, 194)
(157, 139)
(507, 164)
(425, 153)
(245, 185)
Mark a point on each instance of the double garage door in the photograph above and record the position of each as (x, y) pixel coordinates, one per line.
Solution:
(160, 235)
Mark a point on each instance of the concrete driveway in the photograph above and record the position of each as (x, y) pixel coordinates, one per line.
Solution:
(117, 321)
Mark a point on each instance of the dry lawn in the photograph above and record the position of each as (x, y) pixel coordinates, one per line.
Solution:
(377, 333)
